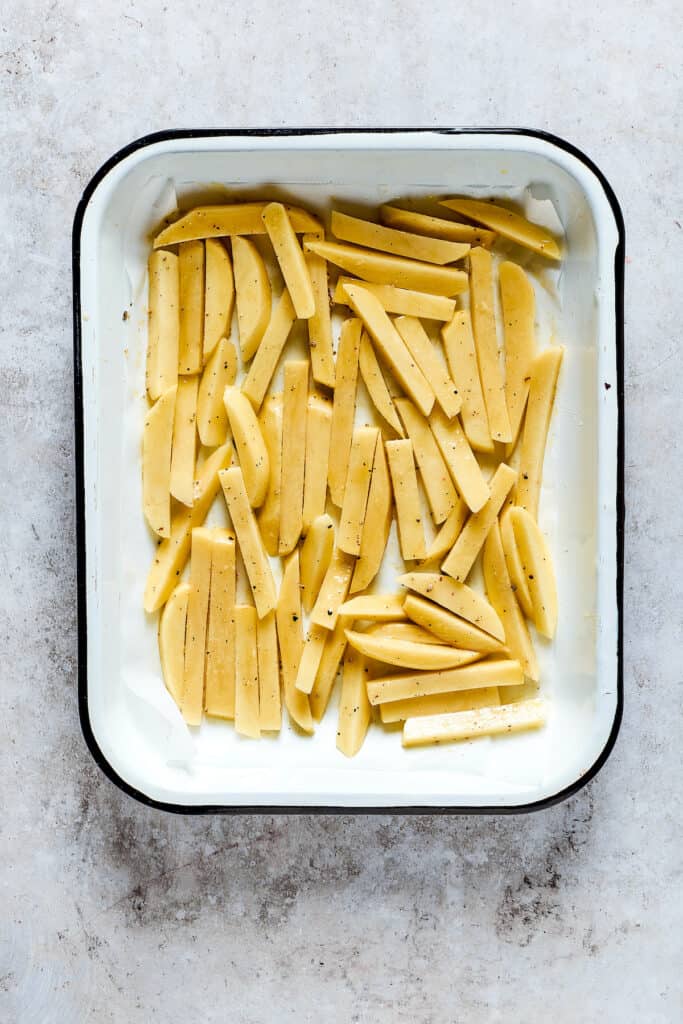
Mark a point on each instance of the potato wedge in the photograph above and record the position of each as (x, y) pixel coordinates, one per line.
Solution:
(333, 652)
(253, 295)
(433, 471)
(219, 690)
(439, 704)
(354, 708)
(270, 422)
(448, 533)
(382, 269)
(537, 564)
(514, 564)
(229, 219)
(463, 725)
(247, 704)
(357, 487)
(157, 437)
(450, 628)
(459, 562)
(508, 224)
(184, 447)
(316, 553)
(163, 325)
(195, 630)
(333, 590)
(400, 300)
(219, 373)
(344, 407)
(290, 258)
(375, 607)
(251, 447)
(374, 381)
(295, 400)
(249, 539)
(377, 525)
(289, 632)
(318, 430)
(172, 641)
(219, 295)
(434, 369)
(314, 645)
(268, 353)
(486, 343)
(544, 373)
(437, 227)
(460, 460)
(461, 356)
(407, 499)
(492, 672)
(320, 324)
(408, 654)
(191, 326)
(455, 597)
(398, 243)
(403, 631)
(270, 704)
(518, 303)
(502, 596)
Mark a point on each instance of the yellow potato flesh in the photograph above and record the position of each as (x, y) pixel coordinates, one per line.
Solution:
(247, 708)
(378, 515)
(344, 407)
(252, 294)
(436, 227)
(330, 661)
(434, 370)
(333, 590)
(254, 554)
(407, 499)
(251, 447)
(270, 705)
(219, 373)
(439, 704)
(514, 564)
(320, 324)
(219, 692)
(468, 677)
(268, 353)
(486, 343)
(449, 628)
(408, 654)
(229, 219)
(518, 304)
(379, 607)
(184, 452)
(374, 381)
(461, 356)
(318, 428)
(459, 562)
(465, 725)
(356, 490)
(396, 242)
(163, 325)
(295, 398)
(461, 461)
(379, 268)
(157, 437)
(354, 707)
(316, 552)
(270, 422)
(314, 645)
(502, 596)
(537, 565)
(400, 300)
(191, 328)
(508, 224)
(195, 630)
(172, 640)
(290, 258)
(457, 598)
(219, 295)
(290, 638)
(435, 478)
(544, 373)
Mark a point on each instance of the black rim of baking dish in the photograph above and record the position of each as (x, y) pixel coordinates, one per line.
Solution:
(84, 712)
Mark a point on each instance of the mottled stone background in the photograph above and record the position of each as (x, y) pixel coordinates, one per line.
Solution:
(113, 913)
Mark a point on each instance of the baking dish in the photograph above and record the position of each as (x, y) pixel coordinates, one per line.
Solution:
(127, 718)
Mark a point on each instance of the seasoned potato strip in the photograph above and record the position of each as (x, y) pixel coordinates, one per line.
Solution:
(508, 224)
(333, 652)
(378, 607)
(475, 531)
(314, 646)
(195, 630)
(407, 499)
(537, 565)
(381, 269)
(518, 303)
(449, 628)
(434, 369)
(437, 227)
(457, 598)
(358, 478)
(448, 533)
(372, 375)
(268, 353)
(172, 640)
(219, 691)
(404, 631)
(507, 718)
(191, 327)
(492, 672)
(486, 343)
(316, 552)
(219, 373)
(333, 590)
(320, 324)
(461, 462)
(289, 632)
(408, 654)
(514, 564)
(544, 373)
(461, 356)
(247, 710)
(249, 539)
(219, 295)
(184, 450)
(502, 596)
(354, 706)
(157, 436)
(398, 243)
(435, 479)
(439, 704)
(291, 259)
(229, 219)
(163, 325)
(293, 454)
(318, 429)
(251, 447)
(344, 407)
(270, 707)
(270, 422)
(400, 300)
(378, 515)
(253, 295)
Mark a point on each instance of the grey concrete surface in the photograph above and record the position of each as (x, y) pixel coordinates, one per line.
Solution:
(110, 912)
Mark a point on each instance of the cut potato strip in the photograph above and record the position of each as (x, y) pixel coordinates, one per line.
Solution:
(461, 356)
(433, 471)
(344, 407)
(219, 373)
(219, 295)
(261, 371)
(270, 707)
(314, 646)
(449, 628)
(439, 704)
(157, 437)
(184, 450)
(253, 295)
(408, 654)
(247, 709)
(544, 373)
(320, 324)
(457, 598)
(392, 347)
(295, 398)
(251, 447)
(502, 596)
(398, 243)
(378, 607)
(407, 499)
(191, 326)
(163, 325)
(289, 632)
(333, 590)
(449, 532)
(434, 369)
(333, 652)
(400, 300)
(437, 227)
(402, 273)
(219, 692)
(357, 487)
(403, 631)
(486, 343)
(508, 224)
(372, 375)
(377, 525)
(518, 303)
(195, 630)
(475, 531)
(290, 258)
(318, 429)
(461, 462)
(172, 641)
(270, 422)
(229, 219)
(354, 707)
(249, 539)
(316, 553)
(537, 565)
(492, 672)
(514, 564)
(463, 725)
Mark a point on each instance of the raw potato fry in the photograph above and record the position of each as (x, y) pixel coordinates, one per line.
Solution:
(195, 631)
(268, 353)
(407, 654)
(357, 488)
(457, 598)
(439, 704)
(219, 691)
(544, 372)
(249, 539)
(398, 243)
(354, 707)
(514, 564)
(333, 590)
(270, 422)
(229, 219)
(392, 347)
(270, 706)
(171, 554)
(191, 327)
(508, 224)
(333, 653)
(435, 479)
(163, 325)
(314, 646)
(461, 462)
(376, 385)
(537, 564)
(378, 607)
(344, 407)
(468, 677)
(421, 349)
(400, 300)
(402, 273)
(290, 258)
(486, 343)
(378, 514)
(461, 356)
(184, 450)
(464, 725)
(219, 295)
(502, 596)
(437, 227)
(407, 499)
(320, 324)
(252, 294)
(449, 532)
(251, 447)
(403, 631)
(247, 708)
(450, 628)
(288, 615)
(157, 437)
(318, 429)
(172, 641)
(518, 303)
(475, 531)
(219, 373)
(316, 553)
(293, 455)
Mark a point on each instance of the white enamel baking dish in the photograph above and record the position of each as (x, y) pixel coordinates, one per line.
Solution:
(129, 722)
